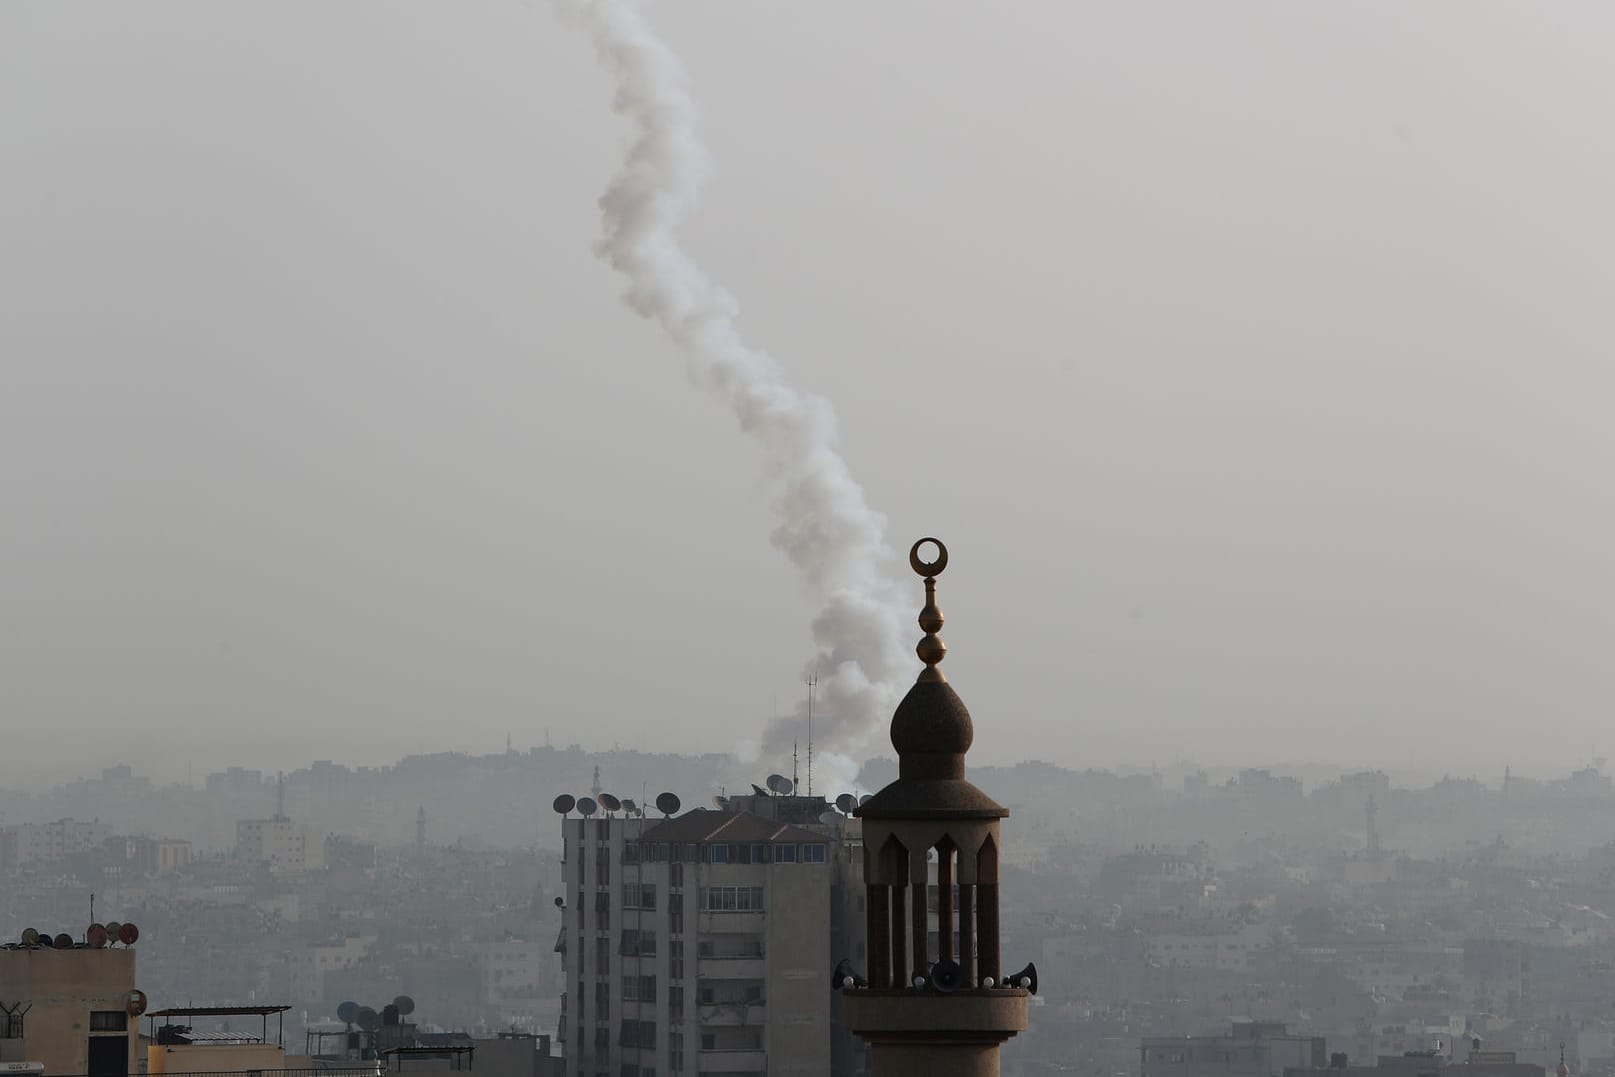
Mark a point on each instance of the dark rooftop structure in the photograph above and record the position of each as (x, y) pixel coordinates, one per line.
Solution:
(706, 825)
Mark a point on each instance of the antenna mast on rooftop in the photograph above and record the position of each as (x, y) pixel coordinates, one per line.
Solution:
(812, 679)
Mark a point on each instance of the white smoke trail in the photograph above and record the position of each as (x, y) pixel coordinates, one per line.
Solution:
(826, 528)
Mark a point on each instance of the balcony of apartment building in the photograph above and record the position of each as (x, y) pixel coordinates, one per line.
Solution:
(732, 1050)
(730, 910)
(732, 957)
(732, 1003)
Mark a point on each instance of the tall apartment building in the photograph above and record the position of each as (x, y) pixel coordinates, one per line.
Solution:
(28, 843)
(279, 842)
(703, 943)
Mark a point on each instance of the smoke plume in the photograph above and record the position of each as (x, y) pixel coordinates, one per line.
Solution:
(826, 528)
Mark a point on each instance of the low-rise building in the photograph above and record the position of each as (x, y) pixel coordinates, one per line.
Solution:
(1251, 1049)
(70, 1008)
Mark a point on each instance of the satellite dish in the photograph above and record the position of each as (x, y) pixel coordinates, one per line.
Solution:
(135, 1004)
(113, 927)
(863, 800)
(830, 818)
(64, 941)
(96, 936)
(780, 784)
(560, 903)
(347, 1012)
(128, 933)
(610, 803)
(667, 803)
(630, 807)
(390, 1015)
(367, 1019)
(587, 807)
(45, 940)
(30, 936)
(564, 803)
(405, 1004)
(846, 802)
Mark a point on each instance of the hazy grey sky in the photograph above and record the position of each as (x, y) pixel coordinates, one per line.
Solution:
(1252, 359)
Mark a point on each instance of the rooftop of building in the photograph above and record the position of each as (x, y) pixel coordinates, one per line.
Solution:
(705, 825)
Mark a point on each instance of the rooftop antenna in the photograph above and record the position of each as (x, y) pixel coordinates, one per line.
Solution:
(795, 778)
(812, 679)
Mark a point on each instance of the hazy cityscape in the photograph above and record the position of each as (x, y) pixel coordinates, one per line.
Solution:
(470, 478)
(1384, 918)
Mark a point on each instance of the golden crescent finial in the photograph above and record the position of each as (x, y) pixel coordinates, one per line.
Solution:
(922, 568)
(931, 649)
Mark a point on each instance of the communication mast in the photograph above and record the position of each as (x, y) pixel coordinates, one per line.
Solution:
(811, 680)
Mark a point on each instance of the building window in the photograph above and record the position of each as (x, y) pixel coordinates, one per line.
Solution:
(638, 944)
(675, 959)
(675, 1003)
(812, 854)
(734, 898)
(785, 854)
(109, 1021)
(720, 854)
(639, 895)
(675, 875)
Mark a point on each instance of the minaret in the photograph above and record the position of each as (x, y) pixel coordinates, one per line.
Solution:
(941, 1012)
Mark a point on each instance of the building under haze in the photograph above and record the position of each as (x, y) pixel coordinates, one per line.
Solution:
(1251, 1049)
(703, 942)
(69, 1007)
(36, 843)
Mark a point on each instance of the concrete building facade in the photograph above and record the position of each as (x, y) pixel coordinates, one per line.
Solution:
(278, 842)
(69, 1009)
(1251, 1049)
(28, 843)
(703, 943)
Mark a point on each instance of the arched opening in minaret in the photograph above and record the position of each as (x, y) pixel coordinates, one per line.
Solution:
(986, 897)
